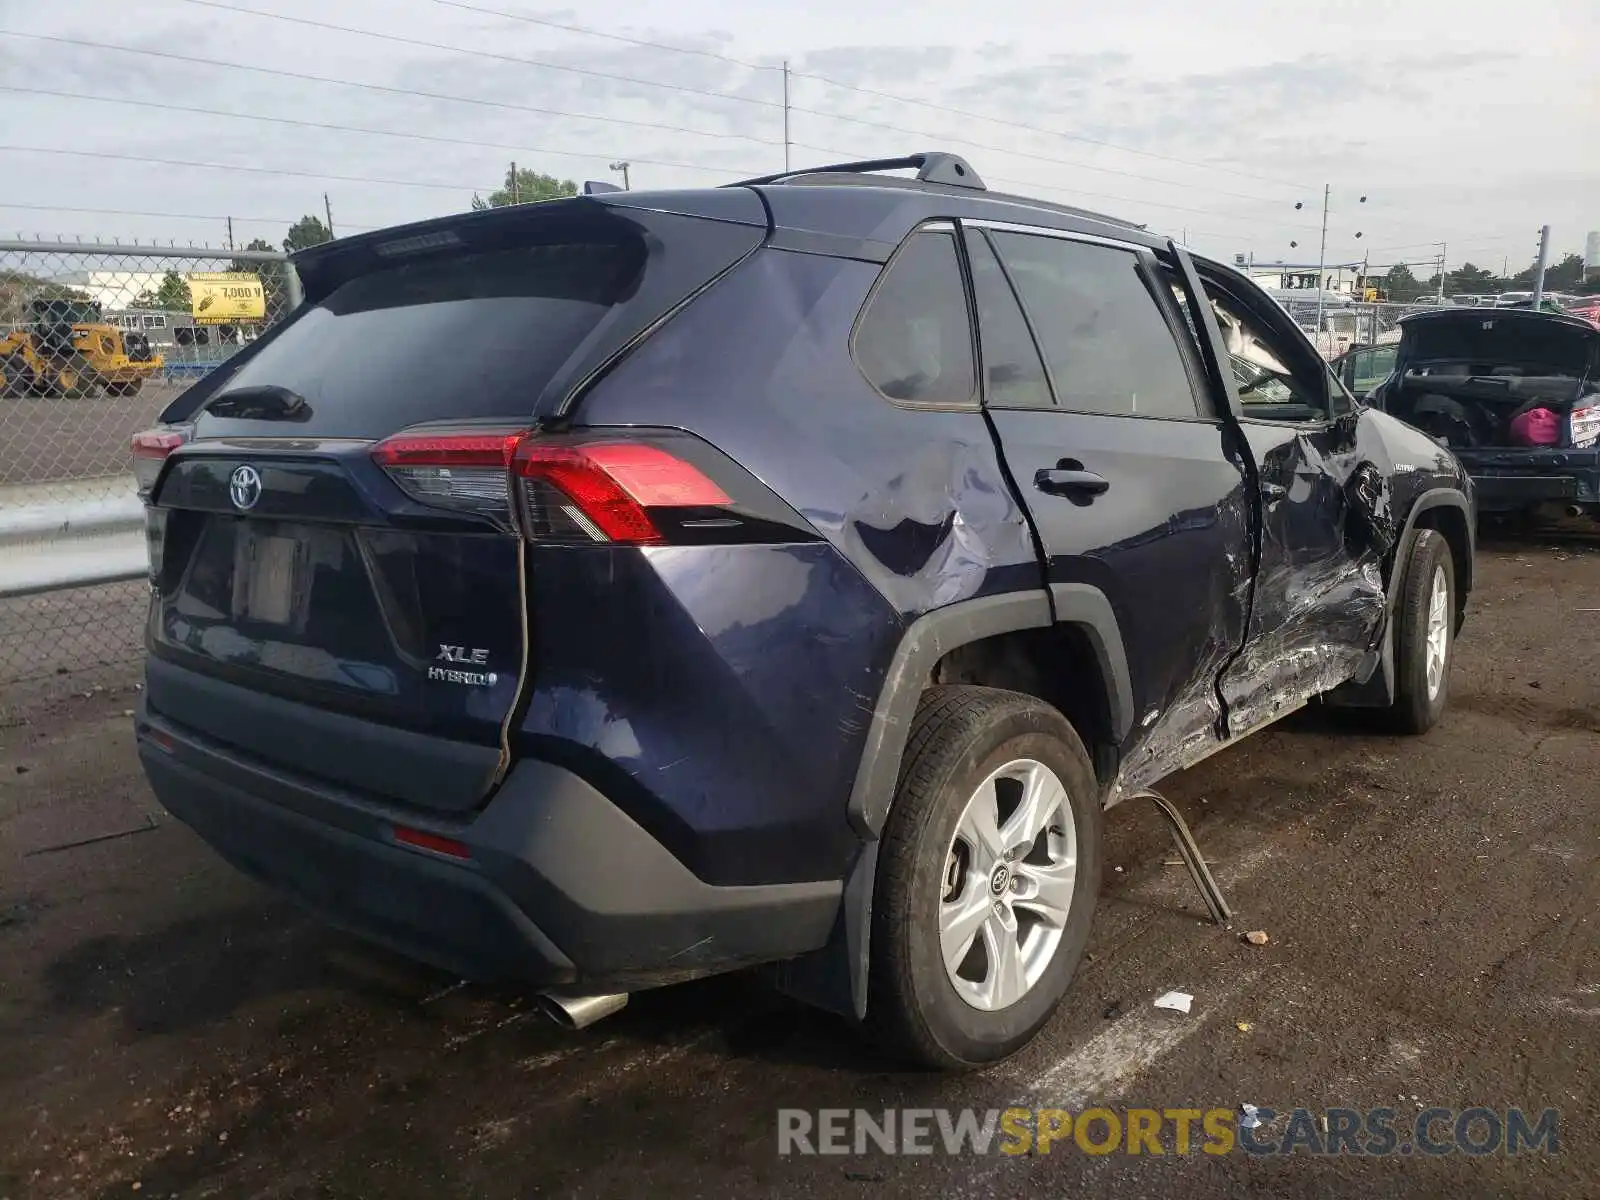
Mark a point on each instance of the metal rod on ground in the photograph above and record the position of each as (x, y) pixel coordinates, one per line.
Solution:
(1544, 261)
(786, 114)
(1189, 851)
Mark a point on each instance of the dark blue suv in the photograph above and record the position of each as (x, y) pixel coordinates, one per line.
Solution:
(617, 590)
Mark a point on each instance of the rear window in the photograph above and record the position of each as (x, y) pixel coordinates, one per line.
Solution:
(470, 336)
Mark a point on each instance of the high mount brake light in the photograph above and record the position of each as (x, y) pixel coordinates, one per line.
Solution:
(582, 492)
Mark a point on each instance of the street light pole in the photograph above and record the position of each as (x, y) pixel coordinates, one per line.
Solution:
(1322, 255)
(1538, 271)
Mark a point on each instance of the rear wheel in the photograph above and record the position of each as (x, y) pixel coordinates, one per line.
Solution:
(987, 878)
(1424, 635)
(72, 380)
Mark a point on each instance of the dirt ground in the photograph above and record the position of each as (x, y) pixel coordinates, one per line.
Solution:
(169, 1029)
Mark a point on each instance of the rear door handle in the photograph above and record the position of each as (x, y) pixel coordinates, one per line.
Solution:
(1064, 481)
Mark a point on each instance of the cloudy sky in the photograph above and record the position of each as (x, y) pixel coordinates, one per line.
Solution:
(1463, 121)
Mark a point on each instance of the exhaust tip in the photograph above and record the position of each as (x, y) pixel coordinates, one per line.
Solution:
(579, 1012)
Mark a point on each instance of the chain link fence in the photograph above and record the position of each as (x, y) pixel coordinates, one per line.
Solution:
(95, 341)
(1345, 326)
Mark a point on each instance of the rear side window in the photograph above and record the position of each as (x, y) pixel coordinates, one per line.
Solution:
(460, 337)
(1105, 341)
(1013, 375)
(914, 341)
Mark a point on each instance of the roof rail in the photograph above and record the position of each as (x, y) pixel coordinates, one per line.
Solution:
(932, 166)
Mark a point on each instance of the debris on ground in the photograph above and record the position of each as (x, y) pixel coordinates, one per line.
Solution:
(149, 824)
(1256, 937)
(1250, 1117)
(1242, 1026)
(1176, 1001)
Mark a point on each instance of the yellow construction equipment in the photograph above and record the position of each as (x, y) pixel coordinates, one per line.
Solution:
(68, 350)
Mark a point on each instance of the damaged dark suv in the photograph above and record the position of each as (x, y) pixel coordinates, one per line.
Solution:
(627, 588)
(1514, 393)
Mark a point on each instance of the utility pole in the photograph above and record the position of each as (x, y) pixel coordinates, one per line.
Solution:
(1444, 250)
(786, 114)
(1544, 261)
(230, 233)
(623, 167)
(327, 207)
(516, 197)
(1322, 256)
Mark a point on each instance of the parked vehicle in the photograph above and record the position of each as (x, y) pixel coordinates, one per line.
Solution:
(627, 588)
(1514, 393)
(1587, 308)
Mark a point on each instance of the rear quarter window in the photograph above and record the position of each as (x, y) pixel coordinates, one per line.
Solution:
(914, 339)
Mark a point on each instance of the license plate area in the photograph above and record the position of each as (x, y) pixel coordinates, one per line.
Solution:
(268, 574)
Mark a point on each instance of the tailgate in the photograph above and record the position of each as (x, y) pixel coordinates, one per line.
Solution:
(321, 601)
(339, 566)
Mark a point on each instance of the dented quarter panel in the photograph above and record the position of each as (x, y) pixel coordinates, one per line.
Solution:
(915, 513)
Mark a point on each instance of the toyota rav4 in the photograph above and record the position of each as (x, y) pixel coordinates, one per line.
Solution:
(627, 588)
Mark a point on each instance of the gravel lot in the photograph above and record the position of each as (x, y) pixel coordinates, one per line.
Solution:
(169, 1029)
(43, 438)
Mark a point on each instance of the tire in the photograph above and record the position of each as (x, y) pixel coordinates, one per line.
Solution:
(920, 1009)
(1419, 702)
(72, 380)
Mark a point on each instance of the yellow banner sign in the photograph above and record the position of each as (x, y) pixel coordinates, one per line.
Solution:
(226, 297)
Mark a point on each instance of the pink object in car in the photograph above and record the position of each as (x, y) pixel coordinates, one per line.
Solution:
(1537, 427)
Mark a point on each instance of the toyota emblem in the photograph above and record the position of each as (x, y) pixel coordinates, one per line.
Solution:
(244, 487)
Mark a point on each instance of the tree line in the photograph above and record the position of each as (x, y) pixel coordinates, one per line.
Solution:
(1470, 280)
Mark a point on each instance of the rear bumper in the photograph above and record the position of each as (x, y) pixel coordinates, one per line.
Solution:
(559, 886)
(1507, 481)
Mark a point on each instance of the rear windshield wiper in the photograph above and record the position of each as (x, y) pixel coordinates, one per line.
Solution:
(264, 402)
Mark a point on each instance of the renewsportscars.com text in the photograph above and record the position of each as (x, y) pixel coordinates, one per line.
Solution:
(1175, 1131)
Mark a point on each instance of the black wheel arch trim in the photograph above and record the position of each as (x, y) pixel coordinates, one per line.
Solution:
(935, 634)
(1441, 497)
(835, 977)
(1377, 689)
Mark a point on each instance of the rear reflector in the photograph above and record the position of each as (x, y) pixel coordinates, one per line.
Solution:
(421, 839)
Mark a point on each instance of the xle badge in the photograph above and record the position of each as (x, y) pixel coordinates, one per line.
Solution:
(465, 657)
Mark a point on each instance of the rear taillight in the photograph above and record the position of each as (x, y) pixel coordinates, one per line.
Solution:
(1586, 425)
(150, 450)
(555, 489)
(463, 470)
(602, 491)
